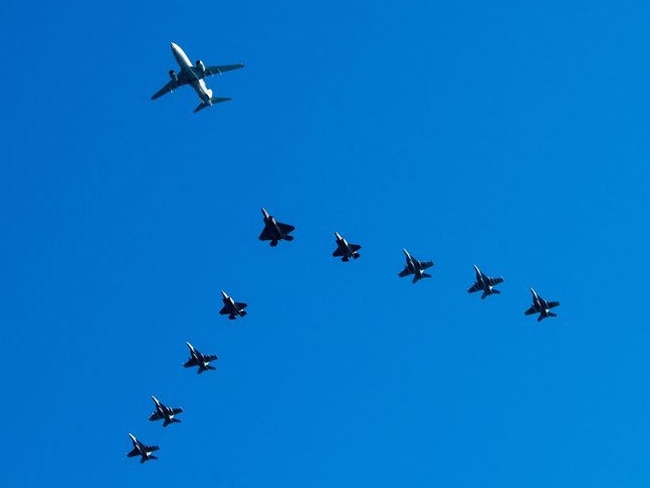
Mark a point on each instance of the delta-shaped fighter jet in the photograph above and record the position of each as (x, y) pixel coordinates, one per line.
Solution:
(231, 308)
(200, 360)
(275, 231)
(415, 267)
(164, 412)
(139, 449)
(541, 306)
(189, 74)
(485, 283)
(344, 249)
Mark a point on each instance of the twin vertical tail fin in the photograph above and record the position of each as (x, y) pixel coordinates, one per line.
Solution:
(418, 277)
(489, 292)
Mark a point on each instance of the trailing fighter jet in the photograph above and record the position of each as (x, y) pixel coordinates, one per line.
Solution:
(485, 283)
(200, 360)
(164, 412)
(345, 249)
(415, 267)
(231, 307)
(194, 75)
(139, 449)
(541, 306)
(275, 231)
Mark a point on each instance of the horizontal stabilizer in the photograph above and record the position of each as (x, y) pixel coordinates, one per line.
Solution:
(212, 101)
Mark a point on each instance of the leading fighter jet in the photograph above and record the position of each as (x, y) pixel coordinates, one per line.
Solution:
(164, 412)
(485, 283)
(200, 360)
(415, 267)
(541, 306)
(194, 75)
(275, 231)
(139, 449)
(345, 249)
(232, 308)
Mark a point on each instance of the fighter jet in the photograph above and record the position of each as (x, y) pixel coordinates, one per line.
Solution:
(541, 306)
(194, 76)
(485, 283)
(345, 249)
(164, 412)
(139, 449)
(231, 307)
(415, 267)
(200, 360)
(275, 231)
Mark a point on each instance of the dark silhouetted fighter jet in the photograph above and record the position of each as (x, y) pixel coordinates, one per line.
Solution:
(344, 249)
(541, 306)
(485, 283)
(231, 307)
(139, 449)
(200, 360)
(275, 231)
(415, 267)
(164, 412)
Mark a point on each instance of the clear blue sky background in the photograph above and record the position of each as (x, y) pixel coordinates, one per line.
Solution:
(509, 134)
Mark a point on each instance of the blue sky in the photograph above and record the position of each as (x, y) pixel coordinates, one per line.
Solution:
(512, 135)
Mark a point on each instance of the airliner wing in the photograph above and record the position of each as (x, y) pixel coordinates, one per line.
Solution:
(215, 70)
(168, 88)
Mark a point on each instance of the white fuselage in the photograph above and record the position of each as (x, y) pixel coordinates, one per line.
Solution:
(204, 93)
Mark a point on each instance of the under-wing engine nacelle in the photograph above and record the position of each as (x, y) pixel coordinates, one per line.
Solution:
(173, 75)
(200, 65)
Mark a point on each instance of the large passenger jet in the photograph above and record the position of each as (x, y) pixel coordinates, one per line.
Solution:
(194, 75)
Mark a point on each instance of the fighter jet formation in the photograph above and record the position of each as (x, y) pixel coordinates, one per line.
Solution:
(275, 231)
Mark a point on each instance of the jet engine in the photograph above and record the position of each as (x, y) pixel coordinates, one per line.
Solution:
(200, 65)
(173, 75)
